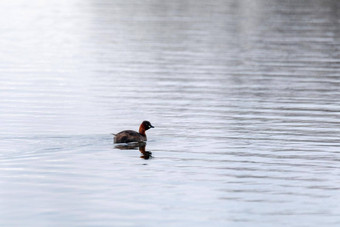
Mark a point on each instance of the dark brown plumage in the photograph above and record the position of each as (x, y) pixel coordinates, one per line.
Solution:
(129, 136)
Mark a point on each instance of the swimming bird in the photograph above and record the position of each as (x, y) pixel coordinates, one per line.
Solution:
(129, 136)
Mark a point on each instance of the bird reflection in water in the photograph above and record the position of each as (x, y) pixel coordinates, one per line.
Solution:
(141, 146)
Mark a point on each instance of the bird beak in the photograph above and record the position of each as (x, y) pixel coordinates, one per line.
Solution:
(151, 126)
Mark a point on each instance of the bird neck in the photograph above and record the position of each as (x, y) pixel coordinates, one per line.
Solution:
(142, 130)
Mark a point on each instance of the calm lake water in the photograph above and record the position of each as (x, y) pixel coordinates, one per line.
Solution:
(244, 96)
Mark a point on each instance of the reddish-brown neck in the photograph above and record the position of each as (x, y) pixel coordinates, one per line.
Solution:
(142, 130)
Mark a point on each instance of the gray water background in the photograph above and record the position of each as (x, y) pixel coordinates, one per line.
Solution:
(244, 96)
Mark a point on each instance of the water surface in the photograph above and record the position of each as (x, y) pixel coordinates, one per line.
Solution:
(244, 97)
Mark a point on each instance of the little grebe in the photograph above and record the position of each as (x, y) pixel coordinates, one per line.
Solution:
(128, 136)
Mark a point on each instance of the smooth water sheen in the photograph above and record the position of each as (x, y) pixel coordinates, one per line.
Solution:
(244, 96)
